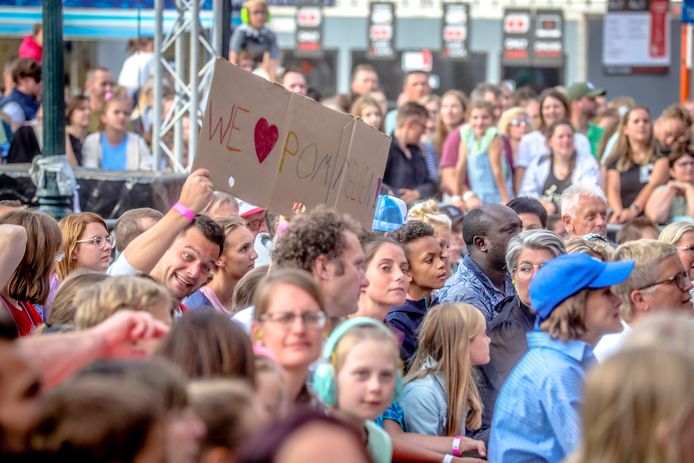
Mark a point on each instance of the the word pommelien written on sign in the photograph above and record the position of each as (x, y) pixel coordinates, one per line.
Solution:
(273, 148)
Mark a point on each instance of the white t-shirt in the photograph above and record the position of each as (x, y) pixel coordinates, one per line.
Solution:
(534, 144)
(121, 266)
(610, 344)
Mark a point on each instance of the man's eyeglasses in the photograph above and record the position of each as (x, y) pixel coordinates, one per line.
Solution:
(681, 280)
(98, 241)
(312, 320)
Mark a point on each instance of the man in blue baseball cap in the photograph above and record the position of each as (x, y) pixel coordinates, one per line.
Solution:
(537, 414)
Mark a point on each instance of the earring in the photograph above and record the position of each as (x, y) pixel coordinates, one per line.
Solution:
(513, 282)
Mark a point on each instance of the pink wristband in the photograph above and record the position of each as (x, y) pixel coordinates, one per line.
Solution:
(184, 211)
(455, 448)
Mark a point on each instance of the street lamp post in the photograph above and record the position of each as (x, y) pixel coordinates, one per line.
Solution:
(51, 173)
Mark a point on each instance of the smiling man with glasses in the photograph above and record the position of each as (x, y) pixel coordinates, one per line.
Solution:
(658, 282)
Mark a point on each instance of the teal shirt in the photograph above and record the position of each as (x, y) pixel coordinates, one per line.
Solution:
(380, 447)
(594, 135)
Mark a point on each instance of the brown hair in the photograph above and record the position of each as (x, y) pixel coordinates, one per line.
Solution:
(95, 419)
(374, 245)
(63, 307)
(411, 110)
(207, 344)
(128, 225)
(364, 102)
(557, 95)
(229, 410)
(72, 226)
(633, 229)
(621, 153)
(298, 278)
(568, 320)
(246, 287)
(30, 281)
(74, 103)
(441, 130)
(26, 67)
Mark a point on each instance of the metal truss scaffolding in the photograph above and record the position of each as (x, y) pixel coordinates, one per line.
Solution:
(168, 140)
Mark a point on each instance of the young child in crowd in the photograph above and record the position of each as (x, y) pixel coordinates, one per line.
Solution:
(440, 397)
(359, 377)
(256, 38)
(369, 111)
(427, 273)
(113, 147)
(429, 213)
(481, 161)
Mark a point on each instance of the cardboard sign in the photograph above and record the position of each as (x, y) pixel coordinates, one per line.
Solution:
(272, 148)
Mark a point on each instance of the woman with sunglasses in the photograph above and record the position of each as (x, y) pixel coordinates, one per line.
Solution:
(290, 322)
(513, 124)
(550, 174)
(86, 244)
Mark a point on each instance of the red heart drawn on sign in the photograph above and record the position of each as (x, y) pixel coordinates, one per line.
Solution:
(265, 136)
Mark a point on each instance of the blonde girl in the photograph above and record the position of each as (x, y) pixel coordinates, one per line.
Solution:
(440, 397)
(369, 111)
(359, 377)
(481, 163)
(639, 407)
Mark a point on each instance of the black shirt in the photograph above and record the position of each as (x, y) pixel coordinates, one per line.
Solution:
(410, 173)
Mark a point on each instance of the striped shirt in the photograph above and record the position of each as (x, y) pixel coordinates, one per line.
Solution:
(537, 413)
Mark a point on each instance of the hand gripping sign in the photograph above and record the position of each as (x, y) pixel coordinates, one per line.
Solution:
(272, 148)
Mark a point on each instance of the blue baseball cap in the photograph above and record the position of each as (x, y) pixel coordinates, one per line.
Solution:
(390, 214)
(566, 275)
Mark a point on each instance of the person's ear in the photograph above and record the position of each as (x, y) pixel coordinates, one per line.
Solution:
(320, 268)
(480, 243)
(638, 301)
(567, 223)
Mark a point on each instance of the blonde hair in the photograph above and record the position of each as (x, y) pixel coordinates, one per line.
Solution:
(63, 307)
(672, 329)
(568, 320)
(445, 337)
(72, 226)
(507, 116)
(629, 400)
(102, 300)
(229, 410)
(429, 213)
(647, 254)
(674, 232)
(362, 333)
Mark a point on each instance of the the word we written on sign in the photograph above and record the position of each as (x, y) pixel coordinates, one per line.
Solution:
(272, 148)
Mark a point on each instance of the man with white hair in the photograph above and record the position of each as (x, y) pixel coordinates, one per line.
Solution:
(584, 210)
(658, 282)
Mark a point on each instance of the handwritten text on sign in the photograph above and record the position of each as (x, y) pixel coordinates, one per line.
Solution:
(272, 148)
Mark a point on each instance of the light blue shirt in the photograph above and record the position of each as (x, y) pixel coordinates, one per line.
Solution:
(113, 157)
(537, 414)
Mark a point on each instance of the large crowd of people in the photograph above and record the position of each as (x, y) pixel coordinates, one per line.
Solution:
(489, 312)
